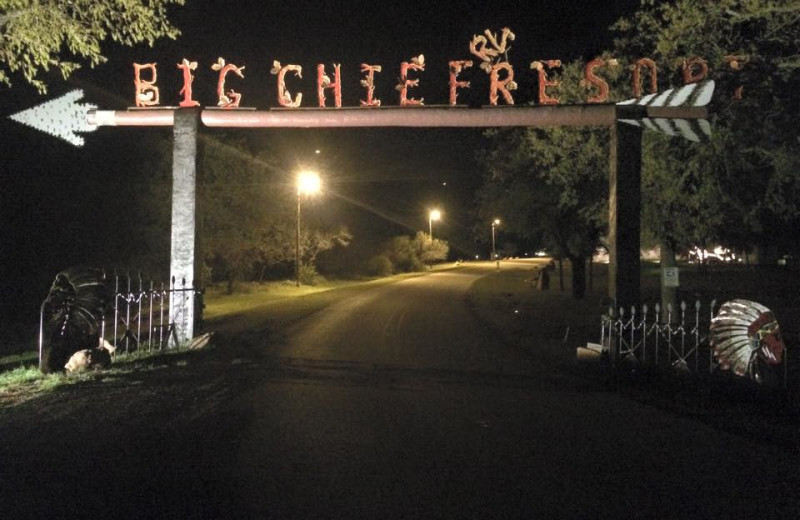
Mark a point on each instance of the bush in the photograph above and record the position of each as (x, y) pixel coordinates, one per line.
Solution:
(380, 265)
(310, 276)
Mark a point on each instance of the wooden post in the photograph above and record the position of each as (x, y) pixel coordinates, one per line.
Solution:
(183, 258)
(624, 216)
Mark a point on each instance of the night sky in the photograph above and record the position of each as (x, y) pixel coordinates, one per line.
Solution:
(62, 206)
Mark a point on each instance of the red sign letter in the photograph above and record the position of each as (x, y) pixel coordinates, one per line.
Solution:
(369, 84)
(689, 66)
(146, 91)
(504, 86)
(592, 79)
(544, 99)
(230, 99)
(736, 63)
(187, 67)
(323, 82)
(455, 69)
(636, 76)
(284, 97)
(417, 63)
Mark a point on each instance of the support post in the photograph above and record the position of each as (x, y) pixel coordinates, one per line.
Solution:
(182, 261)
(297, 244)
(624, 216)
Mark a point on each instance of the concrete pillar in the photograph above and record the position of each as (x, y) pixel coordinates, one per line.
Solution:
(183, 255)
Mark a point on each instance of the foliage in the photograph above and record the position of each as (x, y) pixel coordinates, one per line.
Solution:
(428, 249)
(550, 185)
(310, 276)
(753, 157)
(380, 265)
(402, 253)
(248, 216)
(683, 201)
(405, 254)
(39, 35)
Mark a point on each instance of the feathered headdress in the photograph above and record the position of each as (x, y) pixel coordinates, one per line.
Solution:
(744, 332)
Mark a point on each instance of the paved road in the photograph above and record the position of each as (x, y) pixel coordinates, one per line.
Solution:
(397, 404)
(421, 323)
(401, 405)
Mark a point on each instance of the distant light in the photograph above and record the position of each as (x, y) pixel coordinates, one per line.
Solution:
(308, 183)
(444, 184)
(435, 214)
(316, 152)
(496, 222)
(477, 257)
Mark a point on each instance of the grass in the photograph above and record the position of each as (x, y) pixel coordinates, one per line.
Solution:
(510, 302)
(549, 325)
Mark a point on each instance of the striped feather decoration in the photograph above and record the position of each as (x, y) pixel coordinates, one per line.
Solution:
(691, 95)
(694, 95)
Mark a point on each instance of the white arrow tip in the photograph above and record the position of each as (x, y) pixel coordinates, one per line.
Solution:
(62, 117)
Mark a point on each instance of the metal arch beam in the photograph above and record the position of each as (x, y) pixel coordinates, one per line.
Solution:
(426, 116)
(434, 116)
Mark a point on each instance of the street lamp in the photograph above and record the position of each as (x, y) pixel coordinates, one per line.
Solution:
(434, 214)
(308, 183)
(495, 223)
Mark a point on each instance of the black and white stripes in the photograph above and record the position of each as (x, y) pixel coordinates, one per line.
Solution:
(692, 95)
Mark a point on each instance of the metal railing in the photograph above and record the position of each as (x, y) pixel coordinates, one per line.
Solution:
(672, 340)
(139, 316)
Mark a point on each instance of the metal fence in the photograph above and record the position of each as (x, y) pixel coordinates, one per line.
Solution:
(672, 340)
(139, 317)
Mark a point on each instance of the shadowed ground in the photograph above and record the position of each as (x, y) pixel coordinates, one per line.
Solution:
(393, 403)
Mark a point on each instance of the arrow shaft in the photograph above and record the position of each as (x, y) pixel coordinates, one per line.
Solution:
(532, 116)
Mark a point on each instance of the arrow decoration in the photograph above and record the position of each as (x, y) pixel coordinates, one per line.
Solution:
(62, 117)
(692, 95)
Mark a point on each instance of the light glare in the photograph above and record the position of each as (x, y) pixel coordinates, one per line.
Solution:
(308, 183)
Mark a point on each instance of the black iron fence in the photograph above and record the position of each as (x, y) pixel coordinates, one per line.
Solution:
(665, 339)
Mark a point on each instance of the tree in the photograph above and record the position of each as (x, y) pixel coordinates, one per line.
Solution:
(248, 222)
(552, 184)
(683, 201)
(37, 36)
(429, 249)
(753, 156)
(406, 254)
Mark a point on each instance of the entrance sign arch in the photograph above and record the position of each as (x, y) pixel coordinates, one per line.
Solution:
(625, 158)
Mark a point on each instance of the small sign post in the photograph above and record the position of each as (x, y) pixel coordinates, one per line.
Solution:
(670, 277)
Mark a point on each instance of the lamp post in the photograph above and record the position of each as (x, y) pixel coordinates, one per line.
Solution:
(495, 223)
(434, 214)
(308, 183)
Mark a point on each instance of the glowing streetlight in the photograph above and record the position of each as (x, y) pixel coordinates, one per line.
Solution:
(434, 214)
(495, 223)
(308, 183)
